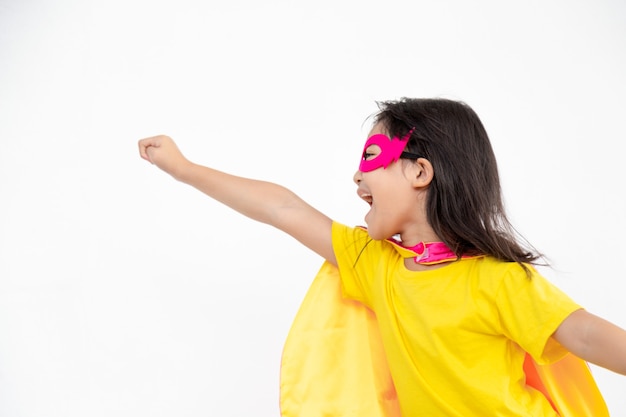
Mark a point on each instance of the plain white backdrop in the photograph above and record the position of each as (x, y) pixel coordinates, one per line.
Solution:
(125, 293)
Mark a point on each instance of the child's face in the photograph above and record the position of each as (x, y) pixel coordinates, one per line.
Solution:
(388, 191)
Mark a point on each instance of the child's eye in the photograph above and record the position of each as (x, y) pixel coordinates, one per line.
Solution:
(367, 155)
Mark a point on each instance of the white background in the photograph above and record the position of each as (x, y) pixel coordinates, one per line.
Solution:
(125, 293)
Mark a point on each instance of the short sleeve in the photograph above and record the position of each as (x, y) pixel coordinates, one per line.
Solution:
(353, 248)
(531, 309)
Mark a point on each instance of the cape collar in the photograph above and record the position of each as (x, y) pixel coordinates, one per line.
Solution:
(426, 253)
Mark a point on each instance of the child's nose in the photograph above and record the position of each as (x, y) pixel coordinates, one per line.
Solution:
(357, 177)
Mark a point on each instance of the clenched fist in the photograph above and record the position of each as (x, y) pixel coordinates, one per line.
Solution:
(163, 152)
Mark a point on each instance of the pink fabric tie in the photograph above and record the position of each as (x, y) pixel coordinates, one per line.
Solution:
(428, 253)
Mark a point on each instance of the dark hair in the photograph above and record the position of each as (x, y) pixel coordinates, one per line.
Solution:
(464, 203)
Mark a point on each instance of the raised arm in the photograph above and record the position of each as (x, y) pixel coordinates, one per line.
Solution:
(594, 339)
(262, 201)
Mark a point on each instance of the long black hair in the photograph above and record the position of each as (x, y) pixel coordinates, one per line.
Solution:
(464, 204)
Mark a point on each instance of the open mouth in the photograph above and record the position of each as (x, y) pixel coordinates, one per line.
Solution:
(366, 197)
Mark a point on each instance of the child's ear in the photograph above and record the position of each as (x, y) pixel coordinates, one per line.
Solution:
(423, 173)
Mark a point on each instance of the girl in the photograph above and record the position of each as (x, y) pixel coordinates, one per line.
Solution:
(458, 302)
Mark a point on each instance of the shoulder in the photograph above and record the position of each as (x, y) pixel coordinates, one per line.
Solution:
(510, 281)
(493, 276)
(346, 239)
(356, 241)
(354, 248)
(496, 271)
(342, 230)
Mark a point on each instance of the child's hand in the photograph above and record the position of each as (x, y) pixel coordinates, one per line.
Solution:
(163, 152)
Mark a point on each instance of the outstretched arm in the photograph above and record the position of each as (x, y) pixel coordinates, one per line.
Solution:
(262, 201)
(594, 339)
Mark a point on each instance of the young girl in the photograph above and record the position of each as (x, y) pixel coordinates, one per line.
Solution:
(458, 302)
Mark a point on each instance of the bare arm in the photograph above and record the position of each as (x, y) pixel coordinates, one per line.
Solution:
(594, 339)
(262, 201)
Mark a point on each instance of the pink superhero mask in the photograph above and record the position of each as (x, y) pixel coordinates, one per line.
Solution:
(390, 151)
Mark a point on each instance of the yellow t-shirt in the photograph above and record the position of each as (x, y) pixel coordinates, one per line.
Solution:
(455, 337)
